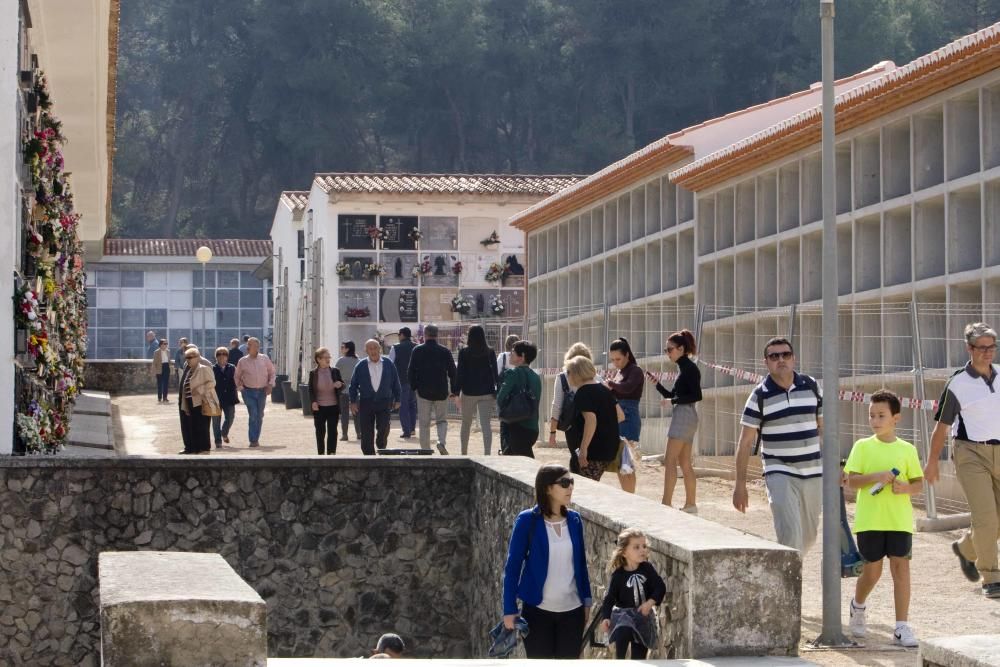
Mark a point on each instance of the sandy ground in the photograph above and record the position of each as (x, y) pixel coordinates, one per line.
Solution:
(943, 601)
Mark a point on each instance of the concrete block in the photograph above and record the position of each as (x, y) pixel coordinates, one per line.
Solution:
(93, 403)
(175, 608)
(87, 430)
(961, 651)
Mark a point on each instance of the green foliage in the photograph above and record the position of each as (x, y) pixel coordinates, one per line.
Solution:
(222, 104)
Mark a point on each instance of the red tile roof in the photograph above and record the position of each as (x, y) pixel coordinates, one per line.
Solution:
(297, 200)
(451, 184)
(250, 248)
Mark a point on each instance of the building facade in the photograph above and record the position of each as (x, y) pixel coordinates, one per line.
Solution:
(142, 285)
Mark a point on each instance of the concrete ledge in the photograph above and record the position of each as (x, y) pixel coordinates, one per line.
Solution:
(961, 651)
(771, 661)
(90, 430)
(172, 608)
(944, 522)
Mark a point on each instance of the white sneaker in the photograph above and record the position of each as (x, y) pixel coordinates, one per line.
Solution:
(690, 509)
(857, 624)
(904, 636)
(442, 449)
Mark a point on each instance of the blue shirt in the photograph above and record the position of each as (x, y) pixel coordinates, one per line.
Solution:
(525, 571)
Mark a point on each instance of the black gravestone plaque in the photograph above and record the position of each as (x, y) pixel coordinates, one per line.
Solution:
(397, 230)
(352, 232)
(398, 305)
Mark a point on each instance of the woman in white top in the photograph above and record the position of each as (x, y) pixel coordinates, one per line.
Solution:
(547, 570)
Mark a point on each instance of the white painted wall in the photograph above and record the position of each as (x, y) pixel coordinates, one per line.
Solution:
(283, 236)
(10, 158)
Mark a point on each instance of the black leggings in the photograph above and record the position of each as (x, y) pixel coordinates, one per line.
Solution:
(520, 440)
(639, 652)
(553, 634)
(325, 420)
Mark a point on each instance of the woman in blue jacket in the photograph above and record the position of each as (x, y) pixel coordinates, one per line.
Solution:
(547, 570)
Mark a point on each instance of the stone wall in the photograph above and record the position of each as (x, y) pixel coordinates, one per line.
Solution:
(121, 376)
(727, 593)
(340, 549)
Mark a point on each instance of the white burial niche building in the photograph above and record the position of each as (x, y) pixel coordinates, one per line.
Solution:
(360, 254)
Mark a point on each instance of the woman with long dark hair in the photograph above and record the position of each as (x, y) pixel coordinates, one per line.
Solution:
(475, 386)
(546, 569)
(345, 364)
(680, 347)
(627, 389)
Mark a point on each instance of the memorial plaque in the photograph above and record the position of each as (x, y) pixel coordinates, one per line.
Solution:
(513, 301)
(397, 230)
(399, 269)
(439, 233)
(476, 230)
(442, 269)
(435, 305)
(357, 305)
(355, 264)
(352, 232)
(515, 277)
(398, 305)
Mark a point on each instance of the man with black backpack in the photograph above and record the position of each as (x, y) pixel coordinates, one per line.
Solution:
(783, 416)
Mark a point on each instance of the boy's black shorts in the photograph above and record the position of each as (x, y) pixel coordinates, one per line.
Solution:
(875, 545)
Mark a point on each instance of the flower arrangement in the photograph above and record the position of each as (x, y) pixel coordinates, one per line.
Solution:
(375, 270)
(358, 312)
(456, 268)
(343, 270)
(462, 304)
(376, 234)
(28, 430)
(492, 239)
(415, 235)
(496, 305)
(497, 272)
(26, 310)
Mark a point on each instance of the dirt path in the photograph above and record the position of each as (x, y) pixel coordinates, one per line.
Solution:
(943, 602)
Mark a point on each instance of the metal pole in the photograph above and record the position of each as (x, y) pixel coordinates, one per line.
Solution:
(607, 336)
(832, 634)
(541, 337)
(204, 308)
(921, 418)
(792, 321)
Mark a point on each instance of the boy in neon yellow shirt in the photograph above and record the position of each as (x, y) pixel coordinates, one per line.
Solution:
(883, 522)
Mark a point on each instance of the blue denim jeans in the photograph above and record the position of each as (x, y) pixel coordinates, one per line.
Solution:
(220, 426)
(407, 409)
(255, 399)
(163, 383)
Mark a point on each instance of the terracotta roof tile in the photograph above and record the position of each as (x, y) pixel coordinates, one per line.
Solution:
(250, 248)
(935, 71)
(297, 200)
(452, 184)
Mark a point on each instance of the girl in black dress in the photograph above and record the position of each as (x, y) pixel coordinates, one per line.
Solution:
(635, 588)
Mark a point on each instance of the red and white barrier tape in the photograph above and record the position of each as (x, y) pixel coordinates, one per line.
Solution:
(844, 395)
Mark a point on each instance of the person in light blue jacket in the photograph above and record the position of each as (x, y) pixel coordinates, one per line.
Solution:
(547, 570)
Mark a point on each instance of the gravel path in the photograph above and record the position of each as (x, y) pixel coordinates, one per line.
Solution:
(943, 602)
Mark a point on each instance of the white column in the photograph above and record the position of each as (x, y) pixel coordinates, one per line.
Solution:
(10, 157)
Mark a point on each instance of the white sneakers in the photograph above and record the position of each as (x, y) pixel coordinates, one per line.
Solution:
(902, 636)
(857, 624)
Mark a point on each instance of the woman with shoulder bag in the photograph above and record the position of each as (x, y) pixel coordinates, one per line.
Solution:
(325, 384)
(198, 403)
(561, 414)
(546, 568)
(521, 388)
(475, 387)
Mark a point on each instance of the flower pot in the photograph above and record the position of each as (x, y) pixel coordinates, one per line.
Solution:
(305, 397)
(292, 401)
(278, 393)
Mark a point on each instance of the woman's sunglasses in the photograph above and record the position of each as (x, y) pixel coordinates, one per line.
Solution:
(565, 482)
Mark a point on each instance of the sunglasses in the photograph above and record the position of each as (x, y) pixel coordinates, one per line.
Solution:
(774, 356)
(984, 349)
(564, 482)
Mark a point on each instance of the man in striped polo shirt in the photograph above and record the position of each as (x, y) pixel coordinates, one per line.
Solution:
(786, 409)
(968, 410)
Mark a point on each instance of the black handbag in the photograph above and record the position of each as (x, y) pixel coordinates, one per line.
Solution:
(520, 405)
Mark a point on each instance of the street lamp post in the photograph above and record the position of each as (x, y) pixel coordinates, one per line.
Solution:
(204, 255)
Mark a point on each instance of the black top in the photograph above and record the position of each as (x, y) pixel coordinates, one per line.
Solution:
(630, 388)
(597, 399)
(646, 584)
(225, 384)
(401, 357)
(476, 374)
(431, 370)
(235, 355)
(334, 373)
(687, 388)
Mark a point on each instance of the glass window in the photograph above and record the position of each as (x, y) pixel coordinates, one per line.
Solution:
(247, 280)
(251, 318)
(108, 317)
(250, 298)
(229, 278)
(92, 317)
(106, 352)
(209, 298)
(107, 278)
(109, 338)
(108, 298)
(156, 279)
(157, 298)
(179, 279)
(180, 319)
(132, 278)
(270, 298)
(300, 239)
(209, 279)
(180, 300)
(132, 298)
(156, 318)
(226, 335)
(132, 317)
(90, 347)
(91, 280)
(176, 334)
(134, 338)
(133, 353)
(228, 319)
(92, 295)
(229, 298)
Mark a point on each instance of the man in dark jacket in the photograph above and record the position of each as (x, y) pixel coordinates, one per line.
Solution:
(374, 392)
(400, 354)
(431, 375)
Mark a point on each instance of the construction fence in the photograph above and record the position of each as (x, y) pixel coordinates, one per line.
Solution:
(909, 347)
